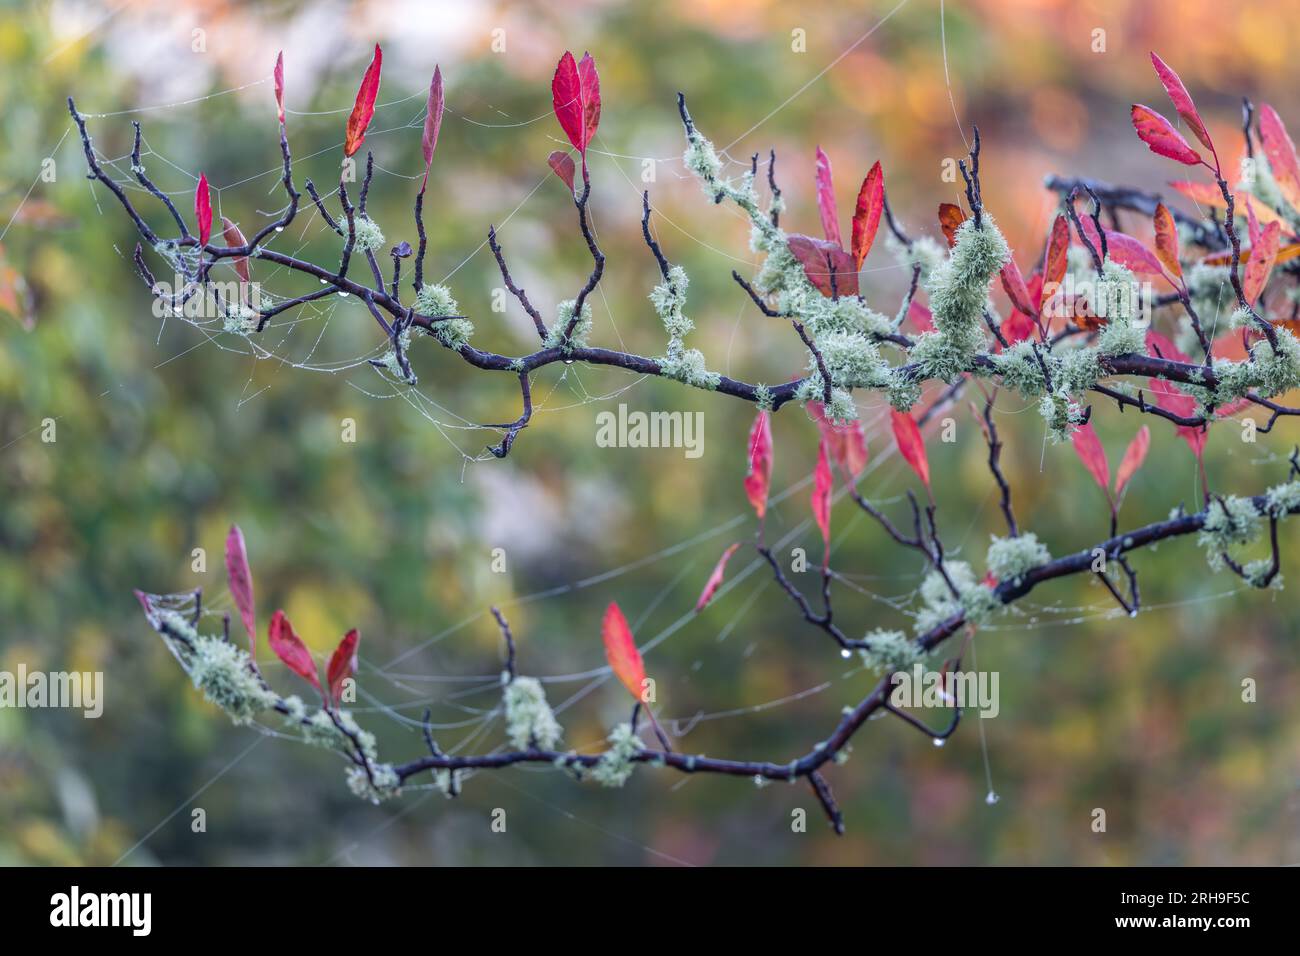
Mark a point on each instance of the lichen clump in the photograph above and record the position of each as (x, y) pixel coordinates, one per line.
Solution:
(436, 301)
(557, 337)
(1009, 559)
(529, 720)
(890, 651)
(367, 236)
(974, 600)
(225, 674)
(1231, 523)
(616, 764)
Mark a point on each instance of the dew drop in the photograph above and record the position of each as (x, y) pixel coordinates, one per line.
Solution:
(939, 741)
(343, 295)
(992, 798)
(281, 229)
(323, 282)
(846, 653)
(1133, 613)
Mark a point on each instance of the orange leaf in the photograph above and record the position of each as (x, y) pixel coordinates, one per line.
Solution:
(910, 446)
(760, 464)
(1261, 263)
(866, 217)
(620, 650)
(343, 664)
(1167, 240)
(1134, 455)
(821, 495)
(363, 110)
(715, 579)
(950, 217)
(1055, 259)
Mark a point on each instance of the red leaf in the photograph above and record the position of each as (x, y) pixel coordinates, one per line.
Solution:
(1162, 347)
(241, 584)
(821, 495)
(1172, 400)
(1260, 263)
(1167, 239)
(566, 101)
(363, 110)
(920, 316)
(866, 215)
(1055, 260)
(1161, 137)
(821, 260)
(620, 650)
(432, 122)
(203, 210)
(233, 237)
(845, 441)
(289, 647)
(1281, 154)
(1134, 455)
(826, 200)
(760, 464)
(562, 163)
(343, 664)
(1252, 222)
(1013, 284)
(910, 446)
(715, 579)
(590, 83)
(1182, 101)
(1088, 447)
(1017, 327)
(950, 217)
(279, 86)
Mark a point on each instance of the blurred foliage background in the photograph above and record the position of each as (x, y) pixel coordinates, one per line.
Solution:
(164, 438)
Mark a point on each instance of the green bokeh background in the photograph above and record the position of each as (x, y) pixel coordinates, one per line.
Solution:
(164, 437)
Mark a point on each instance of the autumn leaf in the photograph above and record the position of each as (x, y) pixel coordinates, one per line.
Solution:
(562, 163)
(1088, 447)
(1123, 249)
(203, 210)
(363, 110)
(566, 101)
(1208, 194)
(920, 316)
(279, 86)
(241, 584)
(845, 441)
(620, 650)
(1055, 260)
(826, 200)
(1161, 137)
(715, 579)
(1280, 151)
(1017, 327)
(760, 464)
(1161, 346)
(828, 267)
(432, 123)
(821, 496)
(1261, 262)
(1182, 101)
(343, 664)
(234, 238)
(866, 215)
(950, 217)
(288, 646)
(589, 81)
(1134, 456)
(908, 438)
(1013, 284)
(1167, 239)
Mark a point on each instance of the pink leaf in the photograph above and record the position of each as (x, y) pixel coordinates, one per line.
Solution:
(279, 86)
(1161, 346)
(203, 210)
(866, 215)
(1161, 137)
(1260, 264)
(821, 495)
(1088, 447)
(920, 316)
(566, 101)
(826, 200)
(1123, 248)
(715, 579)
(1172, 400)
(241, 584)
(1182, 101)
(562, 163)
(1134, 455)
(288, 646)
(621, 651)
(590, 84)
(1281, 154)
(432, 123)
(845, 441)
(910, 446)
(760, 464)
(1013, 284)
(363, 110)
(822, 262)
(343, 664)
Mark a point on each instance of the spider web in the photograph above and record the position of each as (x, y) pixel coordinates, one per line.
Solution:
(466, 708)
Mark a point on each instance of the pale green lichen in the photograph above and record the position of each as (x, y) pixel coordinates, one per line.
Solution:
(689, 367)
(225, 674)
(889, 651)
(557, 337)
(616, 764)
(1009, 559)
(1231, 522)
(529, 720)
(668, 299)
(436, 301)
(367, 236)
(1020, 369)
(1282, 500)
(1265, 373)
(1061, 415)
(385, 784)
(448, 781)
(763, 397)
(974, 599)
